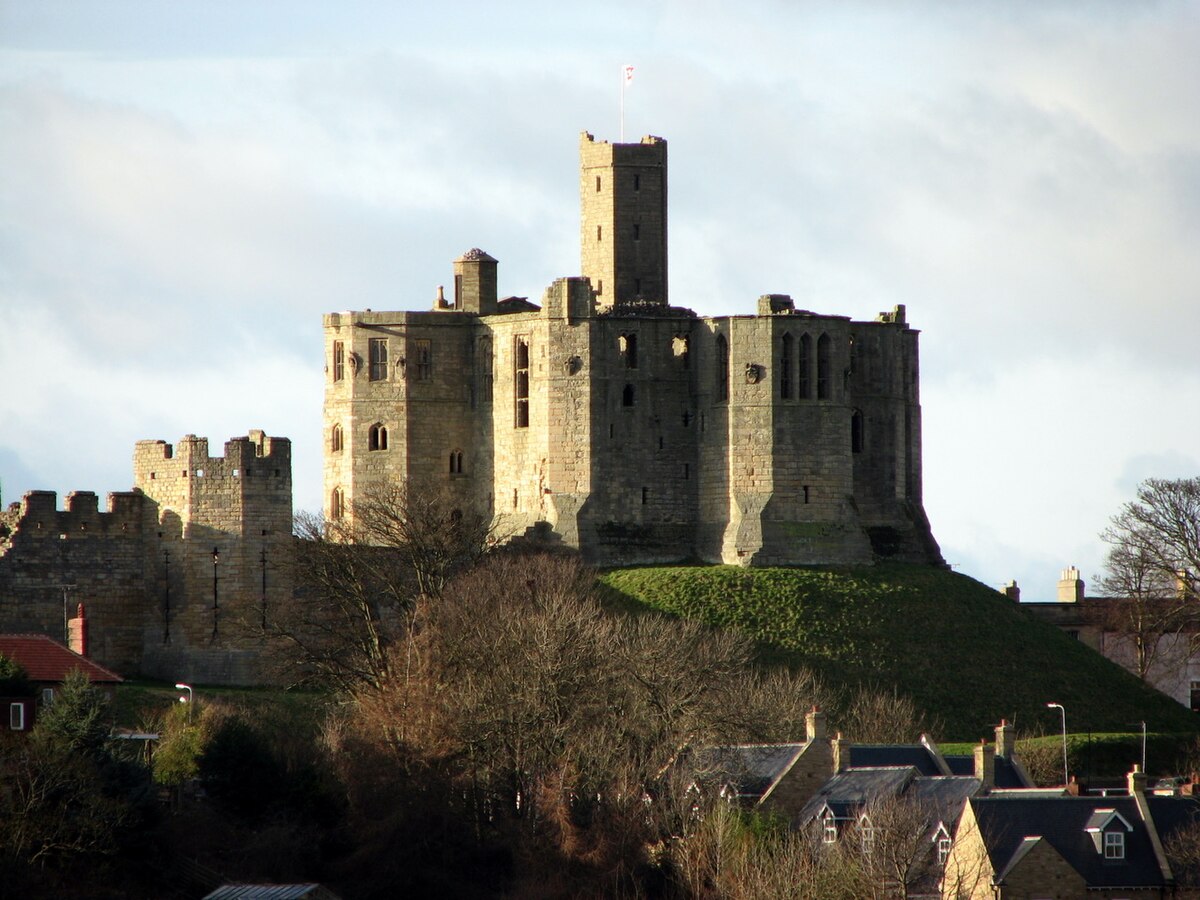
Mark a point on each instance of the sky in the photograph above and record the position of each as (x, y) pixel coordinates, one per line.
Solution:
(188, 187)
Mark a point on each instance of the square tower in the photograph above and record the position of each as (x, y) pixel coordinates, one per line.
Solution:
(623, 216)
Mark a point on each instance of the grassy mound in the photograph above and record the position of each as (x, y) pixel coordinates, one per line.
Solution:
(964, 653)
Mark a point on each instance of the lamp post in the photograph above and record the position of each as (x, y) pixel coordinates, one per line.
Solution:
(1061, 709)
(216, 557)
(188, 699)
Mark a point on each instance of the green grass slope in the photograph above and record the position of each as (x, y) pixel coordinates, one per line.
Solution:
(963, 652)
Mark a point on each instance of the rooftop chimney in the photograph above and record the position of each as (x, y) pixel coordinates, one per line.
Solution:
(77, 632)
(1136, 780)
(1011, 591)
(1070, 586)
(985, 765)
(815, 721)
(1006, 739)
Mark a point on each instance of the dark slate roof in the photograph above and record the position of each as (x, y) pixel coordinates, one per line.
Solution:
(749, 769)
(1005, 773)
(1171, 813)
(1007, 821)
(917, 756)
(852, 789)
(944, 794)
(46, 660)
(271, 892)
(516, 305)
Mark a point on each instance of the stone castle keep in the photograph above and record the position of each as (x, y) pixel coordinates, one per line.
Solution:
(634, 430)
(604, 419)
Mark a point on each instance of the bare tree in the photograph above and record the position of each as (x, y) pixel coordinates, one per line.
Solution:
(358, 580)
(1151, 572)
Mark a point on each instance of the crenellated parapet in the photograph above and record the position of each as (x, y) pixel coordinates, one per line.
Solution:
(37, 517)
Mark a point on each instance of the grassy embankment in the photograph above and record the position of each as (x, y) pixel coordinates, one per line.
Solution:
(963, 652)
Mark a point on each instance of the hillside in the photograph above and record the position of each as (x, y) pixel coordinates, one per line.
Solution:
(961, 650)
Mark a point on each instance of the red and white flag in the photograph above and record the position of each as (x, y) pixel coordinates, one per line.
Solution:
(628, 74)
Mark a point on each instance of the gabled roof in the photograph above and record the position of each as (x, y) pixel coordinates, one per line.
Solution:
(1008, 822)
(750, 770)
(849, 791)
(1004, 774)
(874, 756)
(46, 660)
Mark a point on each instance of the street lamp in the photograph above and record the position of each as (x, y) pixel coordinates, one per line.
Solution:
(216, 558)
(1059, 707)
(188, 699)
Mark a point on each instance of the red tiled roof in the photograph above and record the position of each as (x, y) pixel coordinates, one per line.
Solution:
(45, 659)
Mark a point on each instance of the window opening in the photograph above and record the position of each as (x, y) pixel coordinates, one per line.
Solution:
(1114, 845)
(597, 184)
(679, 347)
(378, 353)
(824, 385)
(335, 504)
(785, 367)
(645, 496)
(829, 833)
(16, 716)
(377, 437)
(637, 231)
(722, 368)
(637, 182)
(805, 382)
(339, 360)
(599, 231)
(627, 347)
(687, 471)
(335, 439)
(423, 350)
(806, 493)
(627, 395)
(856, 432)
(521, 380)
(456, 462)
(943, 850)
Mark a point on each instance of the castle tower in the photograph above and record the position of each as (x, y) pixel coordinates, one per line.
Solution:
(623, 219)
(475, 283)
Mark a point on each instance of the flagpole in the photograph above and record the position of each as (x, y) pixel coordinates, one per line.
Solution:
(622, 104)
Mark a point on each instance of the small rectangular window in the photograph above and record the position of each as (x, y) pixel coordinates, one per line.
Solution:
(637, 231)
(1114, 845)
(339, 360)
(378, 350)
(423, 351)
(16, 716)
(637, 182)
(47, 696)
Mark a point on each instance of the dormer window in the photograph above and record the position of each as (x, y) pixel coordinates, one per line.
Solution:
(866, 833)
(942, 838)
(1114, 845)
(1107, 829)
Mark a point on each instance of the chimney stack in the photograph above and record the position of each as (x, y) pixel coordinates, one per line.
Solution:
(815, 722)
(1006, 740)
(1070, 586)
(1136, 780)
(77, 632)
(1011, 591)
(985, 765)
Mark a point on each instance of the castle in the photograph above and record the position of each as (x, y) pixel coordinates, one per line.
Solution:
(613, 422)
(177, 578)
(604, 419)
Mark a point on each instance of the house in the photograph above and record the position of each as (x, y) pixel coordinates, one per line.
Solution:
(47, 663)
(1021, 845)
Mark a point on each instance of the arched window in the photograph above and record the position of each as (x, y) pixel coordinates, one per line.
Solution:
(336, 506)
(856, 431)
(627, 395)
(335, 439)
(786, 352)
(805, 381)
(824, 384)
(722, 368)
(377, 437)
(456, 462)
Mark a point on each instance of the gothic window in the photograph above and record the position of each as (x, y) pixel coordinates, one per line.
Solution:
(866, 833)
(805, 382)
(339, 360)
(377, 437)
(336, 508)
(335, 439)
(785, 367)
(627, 345)
(378, 359)
(423, 351)
(627, 395)
(856, 431)
(456, 462)
(824, 364)
(521, 380)
(722, 368)
(829, 831)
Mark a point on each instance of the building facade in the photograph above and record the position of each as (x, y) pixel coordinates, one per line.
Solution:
(608, 420)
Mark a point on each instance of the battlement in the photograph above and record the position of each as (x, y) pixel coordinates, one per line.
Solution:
(38, 517)
(256, 455)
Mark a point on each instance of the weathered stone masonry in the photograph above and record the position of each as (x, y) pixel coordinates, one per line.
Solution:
(631, 429)
(144, 569)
